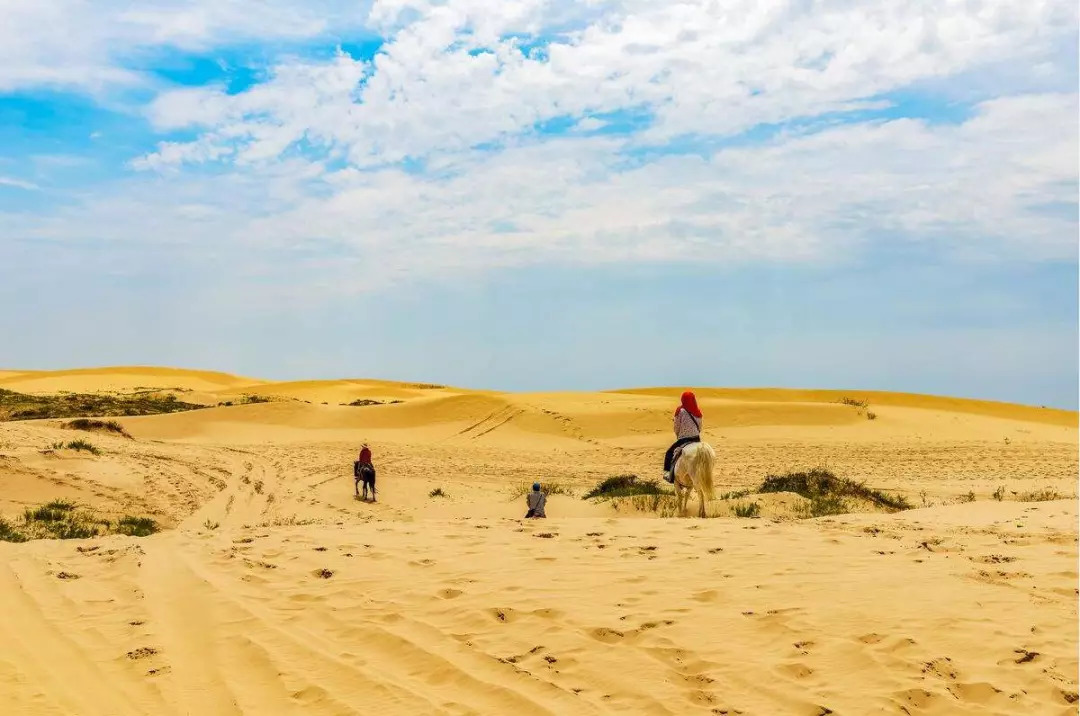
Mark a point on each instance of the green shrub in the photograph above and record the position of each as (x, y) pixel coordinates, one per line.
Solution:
(825, 505)
(751, 509)
(623, 486)
(61, 519)
(19, 406)
(550, 488)
(54, 511)
(91, 424)
(83, 445)
(820, 483)
(136, 526)
(1046, 494)
(8, 532)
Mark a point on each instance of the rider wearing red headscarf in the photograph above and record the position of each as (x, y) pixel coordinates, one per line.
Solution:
(687, 426)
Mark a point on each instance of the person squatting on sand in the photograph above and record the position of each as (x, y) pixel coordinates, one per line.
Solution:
(536, 500)
(687, 425)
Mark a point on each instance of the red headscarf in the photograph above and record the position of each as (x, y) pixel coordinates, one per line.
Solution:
(689, 401)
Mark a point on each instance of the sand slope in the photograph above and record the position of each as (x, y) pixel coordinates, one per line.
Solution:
(454, 605)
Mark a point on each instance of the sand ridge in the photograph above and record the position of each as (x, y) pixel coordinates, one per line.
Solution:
(274, 591)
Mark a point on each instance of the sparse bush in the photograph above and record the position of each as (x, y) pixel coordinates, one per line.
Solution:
(663, 504)
(854, 402)
(734, 495)
(49, 512)
(210, 524)
(825, 505)
(871, 415)
(550, 488)
(363, 402)
(623, 486)
(751, 509)
(969, 497)
(999, 493)
(820, 483)
(83, 445)
(91, 424)
(437, 492)
(136, 526)
(8, 532)
(19, 406)
(61, 519)
(1046, 494)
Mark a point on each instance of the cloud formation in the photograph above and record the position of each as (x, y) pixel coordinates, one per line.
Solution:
(484, 134)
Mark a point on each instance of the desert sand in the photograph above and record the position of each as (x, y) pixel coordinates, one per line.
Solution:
(273, 591)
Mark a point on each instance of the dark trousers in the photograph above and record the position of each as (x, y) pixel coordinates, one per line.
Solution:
(675, 446)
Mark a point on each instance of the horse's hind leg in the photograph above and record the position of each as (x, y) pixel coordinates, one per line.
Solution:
(701, 502)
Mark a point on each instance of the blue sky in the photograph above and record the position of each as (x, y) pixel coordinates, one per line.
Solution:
(537, 197)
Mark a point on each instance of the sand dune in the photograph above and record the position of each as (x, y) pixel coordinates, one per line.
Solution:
(274, 591)
(121, 380)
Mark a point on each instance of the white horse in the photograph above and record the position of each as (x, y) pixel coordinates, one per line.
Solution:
(693, 472)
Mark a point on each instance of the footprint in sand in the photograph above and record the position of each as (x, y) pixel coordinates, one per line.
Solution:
(607, 636)
(449, 593)
(142, 652)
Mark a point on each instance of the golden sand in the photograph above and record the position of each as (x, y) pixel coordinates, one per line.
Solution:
(275, 592)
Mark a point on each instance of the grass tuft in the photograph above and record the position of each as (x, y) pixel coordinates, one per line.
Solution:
(623, 486)
(84, 446)
(62, 519)
(437, 492)
(751, 509)
(1046, 494)
(9, 533)
(550, 488)
(92, 424)
(136, 526)
(820, 483)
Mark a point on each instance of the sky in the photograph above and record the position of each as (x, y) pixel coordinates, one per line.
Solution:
(547, 194)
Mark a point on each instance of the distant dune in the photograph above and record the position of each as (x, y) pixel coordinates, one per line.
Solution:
(272, 590)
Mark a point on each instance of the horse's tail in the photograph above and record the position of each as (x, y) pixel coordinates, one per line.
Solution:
(704, 459)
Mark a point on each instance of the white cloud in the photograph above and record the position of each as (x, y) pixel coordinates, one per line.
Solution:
(458, 75)
(308, 181)
(18, 183)
(979, 188)
(89, 46)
